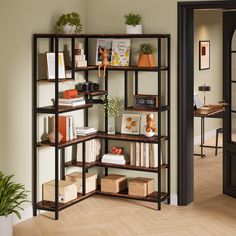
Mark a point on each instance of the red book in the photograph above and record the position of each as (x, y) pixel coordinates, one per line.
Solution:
(62, 121)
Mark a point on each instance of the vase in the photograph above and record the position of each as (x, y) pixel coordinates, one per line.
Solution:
(147, 60)
(6, 225)
(111, 125)
(137, 29)
(69, 29)
(51, 137)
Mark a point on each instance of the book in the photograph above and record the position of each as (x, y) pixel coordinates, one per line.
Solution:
(63, 124)
(147, 156)
(132, 153)
(73, 104)
(141, 154)
(120, 52)
(137, 157)
(70, 100)
(113, 157)
(118, 162)
(85, 130)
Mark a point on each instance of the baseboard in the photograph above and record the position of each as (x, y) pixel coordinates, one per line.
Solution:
(209, 134)
(174, 199)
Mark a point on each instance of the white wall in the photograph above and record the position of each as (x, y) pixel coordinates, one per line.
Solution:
(208, 26)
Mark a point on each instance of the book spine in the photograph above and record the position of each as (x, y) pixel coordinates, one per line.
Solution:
(142, 154)
(147, 164)
(155, 155)
(132, 154)
(137, 154)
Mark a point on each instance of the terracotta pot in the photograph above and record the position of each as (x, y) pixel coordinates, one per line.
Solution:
(52, 139)
(147, 60)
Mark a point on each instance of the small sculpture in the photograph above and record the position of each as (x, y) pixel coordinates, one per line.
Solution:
(105, 62)
(150, 128)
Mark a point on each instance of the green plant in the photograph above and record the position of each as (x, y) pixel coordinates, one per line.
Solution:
(72, 19)
(12, 195)
(133, 19)
(113, 106)
(146, 48)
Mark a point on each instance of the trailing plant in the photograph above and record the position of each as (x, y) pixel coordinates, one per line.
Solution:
(133, 19)
(146, 48)
(12, 196)
(113, 106)
(72, 19)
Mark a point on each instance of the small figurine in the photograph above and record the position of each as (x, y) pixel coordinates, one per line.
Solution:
(105, 62)
(150, 128)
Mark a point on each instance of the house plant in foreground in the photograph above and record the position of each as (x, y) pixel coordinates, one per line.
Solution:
(69, 23)
(12, 196)
(133, 23)
(146, 53)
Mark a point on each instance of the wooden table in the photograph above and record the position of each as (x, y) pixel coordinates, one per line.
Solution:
(210, 111)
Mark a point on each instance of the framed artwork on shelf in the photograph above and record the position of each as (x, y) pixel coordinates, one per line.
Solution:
(103, 43)
(50, 59)
(144, 122)
(130, 124)
(120, 52)
(204, 55)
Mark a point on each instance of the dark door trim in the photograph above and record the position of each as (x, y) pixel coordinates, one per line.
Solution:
(185, 93)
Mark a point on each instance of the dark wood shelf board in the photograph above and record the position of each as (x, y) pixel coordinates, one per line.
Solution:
(121, 68)
(97, 93)
(163, 108)
(102, 35)
(61, 109)
(53, 80)
(153, 197)
(80, 164)
(50, 206)
(102, 135)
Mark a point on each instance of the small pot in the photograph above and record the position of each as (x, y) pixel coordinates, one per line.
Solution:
(52, 139)
(147, 60)
(69, 29)
(137, 29)
(6, 225)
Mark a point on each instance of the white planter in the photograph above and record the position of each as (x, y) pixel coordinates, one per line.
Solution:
(69, 29)
(111, 125)
(130, 29)
(6, 225)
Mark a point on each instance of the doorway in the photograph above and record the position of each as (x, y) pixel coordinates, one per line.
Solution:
(185, 98)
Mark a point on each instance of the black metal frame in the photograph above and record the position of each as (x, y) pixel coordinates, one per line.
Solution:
(54, 46)
(185, 93)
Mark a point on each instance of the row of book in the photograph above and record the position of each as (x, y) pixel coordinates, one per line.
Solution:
(93, 150)
(144, 155)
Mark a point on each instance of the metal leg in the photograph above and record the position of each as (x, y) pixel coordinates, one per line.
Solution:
(202, 136)
(63, 177)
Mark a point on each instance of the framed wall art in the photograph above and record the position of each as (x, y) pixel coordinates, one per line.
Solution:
(103, 43)
(204, 55)
(130, 124)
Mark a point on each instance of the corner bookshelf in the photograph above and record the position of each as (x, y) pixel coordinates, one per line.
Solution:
(163, 107)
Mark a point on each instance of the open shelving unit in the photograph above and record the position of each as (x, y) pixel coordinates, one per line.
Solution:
(163, 107)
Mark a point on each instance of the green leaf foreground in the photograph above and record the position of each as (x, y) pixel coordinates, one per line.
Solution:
(12, 196)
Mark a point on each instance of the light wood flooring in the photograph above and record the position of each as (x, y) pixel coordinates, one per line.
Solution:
(212, 213)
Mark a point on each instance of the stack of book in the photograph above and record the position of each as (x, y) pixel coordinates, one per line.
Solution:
(85, 130)
(72, 102)
(93, 150)
(144, 155)
(114, 159)
(65, 127)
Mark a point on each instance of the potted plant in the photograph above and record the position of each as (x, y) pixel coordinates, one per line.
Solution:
(113, 106)
(146, 53)
(12, 195)
(133, 25)
(69, 23)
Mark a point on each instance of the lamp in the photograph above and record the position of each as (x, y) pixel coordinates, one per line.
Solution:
(204, 89)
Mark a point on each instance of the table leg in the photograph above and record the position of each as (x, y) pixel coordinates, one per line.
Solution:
(202, 155)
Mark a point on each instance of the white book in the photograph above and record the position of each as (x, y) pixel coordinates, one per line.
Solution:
(74, 104)
(83, 134)
(71, 100)
(85, 129)
(93, 150)
(118, 162)
(114, 156)
(147, 163)
(141, 154)
(151, 155)
(71, 128)
(132, 153)
(137, 157)
(155, 155)
(79, 152)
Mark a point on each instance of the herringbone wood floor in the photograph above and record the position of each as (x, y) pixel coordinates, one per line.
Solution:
(211, 214)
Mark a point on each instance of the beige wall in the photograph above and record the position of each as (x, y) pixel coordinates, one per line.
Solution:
(208, 26)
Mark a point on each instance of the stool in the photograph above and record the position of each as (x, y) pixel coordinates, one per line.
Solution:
(218, 131)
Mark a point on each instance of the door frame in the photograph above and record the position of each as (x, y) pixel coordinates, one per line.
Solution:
(185, 93)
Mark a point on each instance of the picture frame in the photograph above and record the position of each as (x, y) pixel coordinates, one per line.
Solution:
(130, 124)
(104, 43)
(204, 55)
(144, 122)
(50, 60)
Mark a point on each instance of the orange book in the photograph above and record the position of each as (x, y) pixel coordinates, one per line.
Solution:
(62, 122)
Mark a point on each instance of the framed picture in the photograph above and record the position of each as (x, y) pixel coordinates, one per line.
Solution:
(144, 122)
(103, 43)
(130, 124)
(120, 52)
(204, 55)
(50, 59)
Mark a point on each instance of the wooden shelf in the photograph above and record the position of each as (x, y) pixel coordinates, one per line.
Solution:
(61, 109)
(102, 35)
(162, 108)
(121, 68)
(97, 93)
(102, 135)
(80, 164)
(124, 194)
(50, 206)
(53, 80)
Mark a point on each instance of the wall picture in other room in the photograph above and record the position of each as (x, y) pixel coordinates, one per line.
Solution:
(204, 55)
